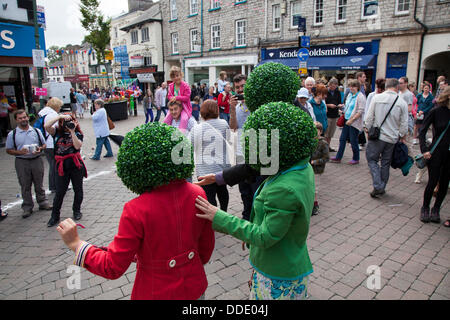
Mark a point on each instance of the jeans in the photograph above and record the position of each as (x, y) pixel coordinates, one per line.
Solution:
(50, 155)
(100, 142)
(158, 114)
(353, 133)
(62, 184)
(221, 192)
(375, 151)
(225, 116)
(148, 115)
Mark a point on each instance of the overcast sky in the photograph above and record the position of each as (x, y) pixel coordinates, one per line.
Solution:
(63, 19)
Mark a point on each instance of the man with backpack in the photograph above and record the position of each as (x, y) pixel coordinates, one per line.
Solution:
(26, 144)
(45, 115)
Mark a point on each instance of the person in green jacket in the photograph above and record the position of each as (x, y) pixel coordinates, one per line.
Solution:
(279, 225)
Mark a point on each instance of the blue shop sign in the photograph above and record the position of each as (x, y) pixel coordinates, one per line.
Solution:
(18, 40)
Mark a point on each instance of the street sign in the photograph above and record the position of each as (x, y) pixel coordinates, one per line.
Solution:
(301, 24)
(40, 91)
(41, 16)
(305, 41)
(303, 65)
(38, 58)
(303, 54)
(302, 71)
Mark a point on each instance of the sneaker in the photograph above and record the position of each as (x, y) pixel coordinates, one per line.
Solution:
(415, 142)
(353, 162)
(109, 156)
(425, 215)
(77, 216)
(316, 211)
(376, 193)
(95, 159)
(335, 160)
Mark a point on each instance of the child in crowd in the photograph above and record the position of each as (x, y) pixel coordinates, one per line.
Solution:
(196, 109)
(318, 161)
(179, 91)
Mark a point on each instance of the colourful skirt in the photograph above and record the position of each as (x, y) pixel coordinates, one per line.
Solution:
(263, 288)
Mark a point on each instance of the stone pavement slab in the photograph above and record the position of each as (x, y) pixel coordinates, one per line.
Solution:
(352, 233)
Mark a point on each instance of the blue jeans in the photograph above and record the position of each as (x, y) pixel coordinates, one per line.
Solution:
(149, 115)
(353, 133)
(225, 116)
(158, 114)
(100, 142)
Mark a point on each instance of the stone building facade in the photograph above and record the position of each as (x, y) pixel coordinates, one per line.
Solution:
(204, 38)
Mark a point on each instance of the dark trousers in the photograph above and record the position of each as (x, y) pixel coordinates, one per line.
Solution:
(248, 191)
(158, 113)
(438, 172)
(352, 133)
(50, 155)
(3, 128)
(379, 151)
(29, 173)
(221, 192)
(62, 184)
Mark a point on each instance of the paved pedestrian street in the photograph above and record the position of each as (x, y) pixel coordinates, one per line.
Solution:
(352, 233)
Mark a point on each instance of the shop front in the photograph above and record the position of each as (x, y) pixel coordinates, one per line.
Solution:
(341, 61)
(207, 70)
(79, 82)
(148, 77)
(16, 45)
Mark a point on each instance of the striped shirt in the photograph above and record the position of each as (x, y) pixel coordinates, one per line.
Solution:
(209, 140)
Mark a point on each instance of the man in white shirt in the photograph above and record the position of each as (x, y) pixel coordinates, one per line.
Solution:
(395, 128)
(408, 96)
(101, 129)
(160, 101)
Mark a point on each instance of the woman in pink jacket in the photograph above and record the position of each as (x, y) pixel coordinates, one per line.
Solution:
(179, 91)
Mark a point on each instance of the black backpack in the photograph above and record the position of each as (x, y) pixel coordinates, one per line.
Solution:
(399, 156)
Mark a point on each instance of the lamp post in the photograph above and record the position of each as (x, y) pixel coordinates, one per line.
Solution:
(37, 38)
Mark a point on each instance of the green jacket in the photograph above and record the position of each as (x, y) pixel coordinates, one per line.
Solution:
(279, 224)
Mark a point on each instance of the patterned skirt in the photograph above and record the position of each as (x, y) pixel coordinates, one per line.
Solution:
(263, 288)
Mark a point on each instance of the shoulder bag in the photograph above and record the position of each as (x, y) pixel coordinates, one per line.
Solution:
(375, 132)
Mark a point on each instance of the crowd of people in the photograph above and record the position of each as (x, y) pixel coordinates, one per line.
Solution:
(394, 113)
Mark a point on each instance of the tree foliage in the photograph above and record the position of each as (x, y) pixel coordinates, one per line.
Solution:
(97, 26)
(54, 54)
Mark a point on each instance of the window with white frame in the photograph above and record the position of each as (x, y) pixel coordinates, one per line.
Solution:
(341, 11)
(195, 40)
(402, 6)
(148, 61)
(276, 15)
(193, 6)
(175, 42)
(241, 33)
(173, 10)
(134, 37)
(145, 35)
(369, 9)
(215, 36)
(318, 12)
(295, 11)
(215, 4)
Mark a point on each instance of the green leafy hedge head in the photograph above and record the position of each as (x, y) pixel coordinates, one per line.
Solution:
(145, 159)
(271, 82)
(297, 136)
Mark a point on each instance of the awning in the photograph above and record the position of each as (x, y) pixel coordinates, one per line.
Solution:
(330, 63)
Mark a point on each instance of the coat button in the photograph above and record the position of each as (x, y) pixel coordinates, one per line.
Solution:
(191, 255)
(172, 264)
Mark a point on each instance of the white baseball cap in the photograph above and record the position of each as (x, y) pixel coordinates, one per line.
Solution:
(303, 93)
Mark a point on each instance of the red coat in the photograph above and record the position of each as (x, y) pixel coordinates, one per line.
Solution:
(170, 243)
(224, 105)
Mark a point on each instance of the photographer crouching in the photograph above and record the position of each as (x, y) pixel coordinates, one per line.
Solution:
(70, 167)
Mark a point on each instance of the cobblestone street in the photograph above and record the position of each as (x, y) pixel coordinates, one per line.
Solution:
(352, 232)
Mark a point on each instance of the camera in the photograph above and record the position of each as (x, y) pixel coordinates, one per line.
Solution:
(31, 148)
(69, 125)
(240, 97)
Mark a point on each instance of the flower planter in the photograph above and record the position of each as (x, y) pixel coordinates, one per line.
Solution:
(117, 110)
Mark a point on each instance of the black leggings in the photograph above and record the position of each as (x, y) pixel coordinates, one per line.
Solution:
(438, 172)
(62, 184)
(221, 192)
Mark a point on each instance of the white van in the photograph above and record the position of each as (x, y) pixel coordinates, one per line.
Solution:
(59, 90)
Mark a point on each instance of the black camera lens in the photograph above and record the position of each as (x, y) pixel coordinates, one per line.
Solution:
(69, 125)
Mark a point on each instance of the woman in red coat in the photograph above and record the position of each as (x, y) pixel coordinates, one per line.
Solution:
(158, 230)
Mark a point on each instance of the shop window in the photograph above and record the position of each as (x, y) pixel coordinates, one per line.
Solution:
(369, 9)
(174, 43)
(402, 7)
(215, 36)
(241, 33)
(318, 12)
(195, 40)
(295, 11)
(276, 14)
(134, 37)
(341, 12)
